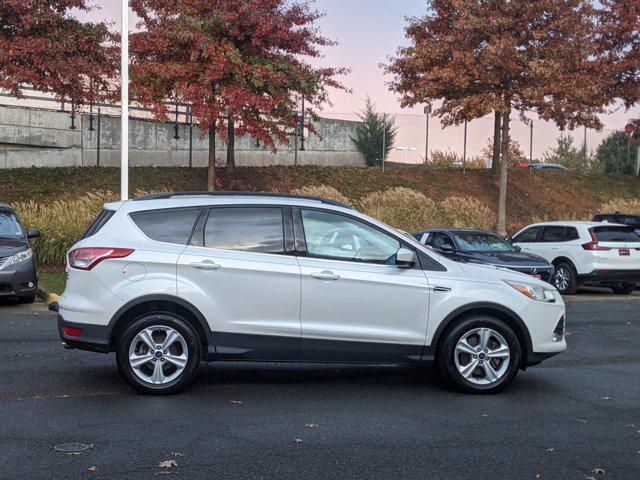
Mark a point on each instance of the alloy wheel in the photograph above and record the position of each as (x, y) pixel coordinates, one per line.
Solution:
(562, 278)
(482, 356)
(158, 354)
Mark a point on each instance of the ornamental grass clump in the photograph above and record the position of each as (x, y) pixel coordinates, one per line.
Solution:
(323, 191)
(401, 208)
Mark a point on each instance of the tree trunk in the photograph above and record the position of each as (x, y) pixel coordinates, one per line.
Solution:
(504, 171)
(495, 161)
(211, 174)
(231, 143)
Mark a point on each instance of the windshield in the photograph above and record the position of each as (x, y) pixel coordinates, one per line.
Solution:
(482, 242)
(10, 227)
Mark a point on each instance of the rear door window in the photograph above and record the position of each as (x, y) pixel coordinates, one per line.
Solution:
(615, 234)
(554, 234)
(246, 229)
(169, 226)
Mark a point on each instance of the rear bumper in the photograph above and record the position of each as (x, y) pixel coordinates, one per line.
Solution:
(610, 276)
(94, 338)
(14, 280)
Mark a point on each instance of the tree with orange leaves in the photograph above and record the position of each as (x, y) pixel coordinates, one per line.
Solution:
(242, 65)
(480, 56)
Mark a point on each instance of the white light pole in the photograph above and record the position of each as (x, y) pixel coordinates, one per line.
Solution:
(405, 150)
(124, 102)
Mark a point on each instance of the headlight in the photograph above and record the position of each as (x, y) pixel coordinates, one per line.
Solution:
(21, 256)
(534, 292)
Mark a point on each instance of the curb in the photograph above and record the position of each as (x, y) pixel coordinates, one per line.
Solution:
(47, 297)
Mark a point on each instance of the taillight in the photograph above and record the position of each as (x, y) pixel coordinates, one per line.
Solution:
(593, 244)
(89, 257)
(72, 331)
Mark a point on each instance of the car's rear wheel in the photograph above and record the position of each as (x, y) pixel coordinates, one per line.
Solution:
(159, 354)
(480, 354)
(565, 278)
(623, 288)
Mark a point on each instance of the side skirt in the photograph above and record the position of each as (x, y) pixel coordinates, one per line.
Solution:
(267, 348)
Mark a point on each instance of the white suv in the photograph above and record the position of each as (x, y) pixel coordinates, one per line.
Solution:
(586, 253)
(169, 280)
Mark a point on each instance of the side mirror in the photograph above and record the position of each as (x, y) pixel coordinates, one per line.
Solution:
(405, 258)
(517, 248)
(33, 233)
(447, 248)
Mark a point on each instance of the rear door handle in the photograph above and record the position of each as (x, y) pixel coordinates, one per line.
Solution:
(326, 275)
(206, 265)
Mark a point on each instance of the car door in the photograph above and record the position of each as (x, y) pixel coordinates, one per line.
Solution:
(527, 239)
(551, 241)
(237, 270)
(357, 305)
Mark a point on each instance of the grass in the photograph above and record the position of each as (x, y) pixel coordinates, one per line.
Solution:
(53, 282)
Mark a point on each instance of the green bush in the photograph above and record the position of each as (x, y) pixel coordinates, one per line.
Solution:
(616, 153)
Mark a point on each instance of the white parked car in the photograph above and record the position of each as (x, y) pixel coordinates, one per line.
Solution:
(586, 253)
(169, 280)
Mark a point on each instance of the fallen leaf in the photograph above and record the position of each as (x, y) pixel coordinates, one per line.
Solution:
(236, 402)
(168, 464)
(551, 450)
(92, 469)
(176, 454)
(299, 440)
(538, 476)
(598, 471)
(606, 397)
(311, 425)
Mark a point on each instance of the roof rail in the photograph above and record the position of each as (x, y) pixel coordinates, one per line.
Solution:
(5, 206)
(167, 195)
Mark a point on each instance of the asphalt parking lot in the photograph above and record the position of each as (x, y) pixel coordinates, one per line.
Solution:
(574, 417)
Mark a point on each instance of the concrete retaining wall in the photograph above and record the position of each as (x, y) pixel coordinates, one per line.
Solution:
(31, 137)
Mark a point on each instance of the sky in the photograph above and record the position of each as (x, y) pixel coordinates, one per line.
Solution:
(368, 32)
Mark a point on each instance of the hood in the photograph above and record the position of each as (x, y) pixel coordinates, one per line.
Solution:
(496, 274)
(10, 247)
(502, 259)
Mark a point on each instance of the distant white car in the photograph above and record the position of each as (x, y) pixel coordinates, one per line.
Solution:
(590, 253)
(169, 280)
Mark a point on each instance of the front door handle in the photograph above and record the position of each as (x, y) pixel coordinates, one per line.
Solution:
(326, 275)
(206, 265)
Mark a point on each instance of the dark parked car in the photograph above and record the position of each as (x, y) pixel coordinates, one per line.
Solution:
(621, 218)
(18, 275)
(477, 246)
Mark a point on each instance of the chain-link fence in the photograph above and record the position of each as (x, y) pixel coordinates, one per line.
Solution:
(38, 131)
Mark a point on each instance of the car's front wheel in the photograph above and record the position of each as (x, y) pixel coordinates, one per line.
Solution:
(565, 279)
(159, 354)
(623, 288)
(480, 354)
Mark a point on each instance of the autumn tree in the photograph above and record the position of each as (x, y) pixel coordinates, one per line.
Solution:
(481, 56)
(242, 65)
(43, 46)
(619, 43)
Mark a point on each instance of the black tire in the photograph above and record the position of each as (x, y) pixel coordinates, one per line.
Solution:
(447, 362)
(194, 353)
(28, 299)
(624, 288)
(571, 286)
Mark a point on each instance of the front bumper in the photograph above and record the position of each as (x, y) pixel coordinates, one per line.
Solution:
(94, 338)
(610, 276)
(15, 280)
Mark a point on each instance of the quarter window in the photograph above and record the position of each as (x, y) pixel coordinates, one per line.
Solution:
(251, 229)
(333, 236)
(170, 226)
